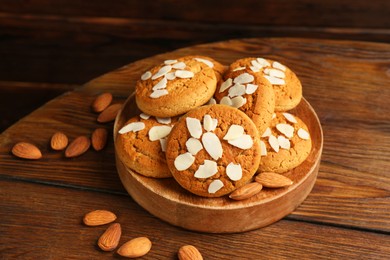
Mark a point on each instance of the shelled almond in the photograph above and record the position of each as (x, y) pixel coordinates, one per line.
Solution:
(136, 247)
(273, 180)
(99, 138)
(26, 151)
(109, 113)
(99, 217)
(109, 240)
(77, 147)
(246, 191)
(189, 252)
(101, 102)
(59, 141)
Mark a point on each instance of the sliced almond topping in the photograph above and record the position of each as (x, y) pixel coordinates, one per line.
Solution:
(184, 161)
(161, 84)
(194, 127)
(193, 146)
(242, 142)
(212, 101)
(238, 101)
(277, 73)
(275, 81)
(266, 71)
(164, 70)
(290, 118)
(144, 116)
(207, 169)
(239, 68)
(159, 93)
(267, 132)
(236, 90)
(179, 66)
(250, 88)
(132, 127)
(278, 65)
(286, 129)
(284, 142)
(184, 74)
(163, 143)
(207, 62)
(215, 186)
(273, 142)
(164, 120)
(170, 76)
(303, 134)
(226, 101)
(234, 171)
(243, 78)
(256, 64)
(225, 85)
(170, 62)
(158, 132)
(234, 132)
(273, 180)
(254, 69)
(263, 62)
(215, 124)
(263, 148)
(207, 123)
(212, 144)
(146, 75)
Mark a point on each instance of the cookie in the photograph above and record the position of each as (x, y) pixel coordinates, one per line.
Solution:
(249, 92)
(213, 150)
(286, 85)
(285, 144)
(175, 87)
(141, 143)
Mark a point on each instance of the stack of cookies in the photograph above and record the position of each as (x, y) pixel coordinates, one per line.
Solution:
(213, 128)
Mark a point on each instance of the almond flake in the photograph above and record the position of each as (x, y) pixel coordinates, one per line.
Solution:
(254, 69)
(207, 169)
(234, 171)
(132, 127)
(194, 127)
(284, 142)
(215, 124)
(242, 142)
(164, 70)
(303, 134)
(170, 62)
(170, 76)
(290, 118)
(215, 186)
(164, 120)
(277, 73)
(207, 123)
(184, 74)
(266, 71)
(263, 62)
(146, 75)
(278, 65)
(273, 116)
(234, 132)
(144, 116)
(243, 78)
(263, 149)
(207, 62)
(193, 146)
(161, 84)
(212, 101)
(179, 66)
(225, 85)
(238, 101)
(212, 144)
(275, 81)
(273, 142)
(226, 101)
(267, 132)
(159, 93)
(184, 161)
(236, 90)
(158, 132)
(286, 129)
(239, 68)
(163, 143)
(250, 88)
(256, 64)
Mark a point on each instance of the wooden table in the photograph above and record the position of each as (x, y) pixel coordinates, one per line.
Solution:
(346, 216)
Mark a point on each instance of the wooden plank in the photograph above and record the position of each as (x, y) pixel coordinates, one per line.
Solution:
(45, 222)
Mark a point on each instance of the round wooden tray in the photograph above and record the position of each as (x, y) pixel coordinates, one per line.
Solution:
(165, 199)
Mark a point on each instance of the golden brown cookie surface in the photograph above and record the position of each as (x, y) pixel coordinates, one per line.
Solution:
(212, 150)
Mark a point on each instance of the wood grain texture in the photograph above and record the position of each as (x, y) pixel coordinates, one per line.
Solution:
(54, 230)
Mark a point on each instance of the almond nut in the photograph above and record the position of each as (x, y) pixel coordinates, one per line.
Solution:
(99, 217)
(246, 191)
(26, 151)
(59, 141)
(99, 138)
(109, 240)
(77, 147)
(189, 252)
(273, 180)
(136, 247)
(109, 113)
(101, 102)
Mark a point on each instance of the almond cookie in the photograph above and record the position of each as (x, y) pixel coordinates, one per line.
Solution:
(176, 86)
(249, 92)
(286, 85)
(141, 145)
(285, 144)
(213, 150)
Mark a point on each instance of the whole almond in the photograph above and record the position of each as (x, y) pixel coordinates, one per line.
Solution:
(189, 252)
(99, 138)
(99, 217)
(109, 240)
(101, 102)
(109, 113)
(246, 191)
(273, 180)
(77, 147)
(136, 247)
(59, 141)
(26, 151)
